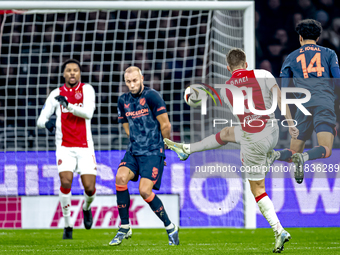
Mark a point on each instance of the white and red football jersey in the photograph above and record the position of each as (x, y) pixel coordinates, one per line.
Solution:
(261, 82)
(73, 125)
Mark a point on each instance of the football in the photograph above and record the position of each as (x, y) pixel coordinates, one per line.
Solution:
(194, 94)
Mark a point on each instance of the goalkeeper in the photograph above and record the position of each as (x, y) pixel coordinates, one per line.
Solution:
(74, 104)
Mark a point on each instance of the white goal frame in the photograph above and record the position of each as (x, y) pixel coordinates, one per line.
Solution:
(248, 34)
(247, 6)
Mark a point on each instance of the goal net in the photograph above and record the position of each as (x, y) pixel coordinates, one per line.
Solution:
(175, 47)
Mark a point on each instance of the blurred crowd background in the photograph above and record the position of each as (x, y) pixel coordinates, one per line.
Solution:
(275, 22)
(33, 46)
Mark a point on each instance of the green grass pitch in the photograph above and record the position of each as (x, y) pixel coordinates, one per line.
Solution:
(155, 241)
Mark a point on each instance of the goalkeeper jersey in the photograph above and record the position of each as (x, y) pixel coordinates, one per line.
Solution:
(73, 124)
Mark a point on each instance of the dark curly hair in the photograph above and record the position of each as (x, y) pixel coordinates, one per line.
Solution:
(70, 61)
(309, 29)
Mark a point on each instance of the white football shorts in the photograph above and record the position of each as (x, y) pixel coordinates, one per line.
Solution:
(79, 160)
(253, 154)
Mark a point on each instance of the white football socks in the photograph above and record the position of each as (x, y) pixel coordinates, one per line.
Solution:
(305, 156)
(88, 200)
(171, 226)
(65, 202)
(208, 143)
(267, 209)
(125, 226)
(186, 148)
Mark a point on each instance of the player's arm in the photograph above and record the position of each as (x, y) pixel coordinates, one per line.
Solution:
(47, 111)
(121, 116)
(158, 108)
(336, 81)
(294, 132)
(165, 125)
(286, 73)
(288, 115)
(126, 128)
(89, 103)
(335, 71)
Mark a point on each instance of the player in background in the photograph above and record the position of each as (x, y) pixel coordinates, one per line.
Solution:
(311, 67)
(74, 104)
(255, 141)
(143, 114)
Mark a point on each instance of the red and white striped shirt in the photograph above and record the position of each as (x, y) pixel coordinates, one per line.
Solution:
(73, 125)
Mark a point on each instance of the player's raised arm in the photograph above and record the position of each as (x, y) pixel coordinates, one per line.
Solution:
(89, 104)
(72, 75)
(87, 109)
(47, 111)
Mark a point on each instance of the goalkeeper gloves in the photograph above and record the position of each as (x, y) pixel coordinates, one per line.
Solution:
(62, 100)
(50, 125)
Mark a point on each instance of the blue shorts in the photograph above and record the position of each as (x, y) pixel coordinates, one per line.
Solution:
(149, 167)
(320, 115)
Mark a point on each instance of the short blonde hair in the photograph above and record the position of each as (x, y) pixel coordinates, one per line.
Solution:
(133, 69)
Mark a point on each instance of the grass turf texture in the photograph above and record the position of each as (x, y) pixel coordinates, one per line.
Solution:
(155, 241)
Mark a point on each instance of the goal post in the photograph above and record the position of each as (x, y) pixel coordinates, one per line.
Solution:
(21, 53)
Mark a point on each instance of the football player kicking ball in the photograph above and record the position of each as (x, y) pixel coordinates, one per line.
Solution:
(256, 140)
(145, 120)
(311, 67)
(74, 104)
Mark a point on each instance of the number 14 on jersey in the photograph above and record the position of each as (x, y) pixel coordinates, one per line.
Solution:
(311, 68)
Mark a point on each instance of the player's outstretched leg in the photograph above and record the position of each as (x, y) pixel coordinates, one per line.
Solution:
(299, 173)
(300, 158)
(178, 148)
(157, 206)
(209, 143)
(123, 202)
(65, 202)
(87, 212)
(283, 155)
(288, 156)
